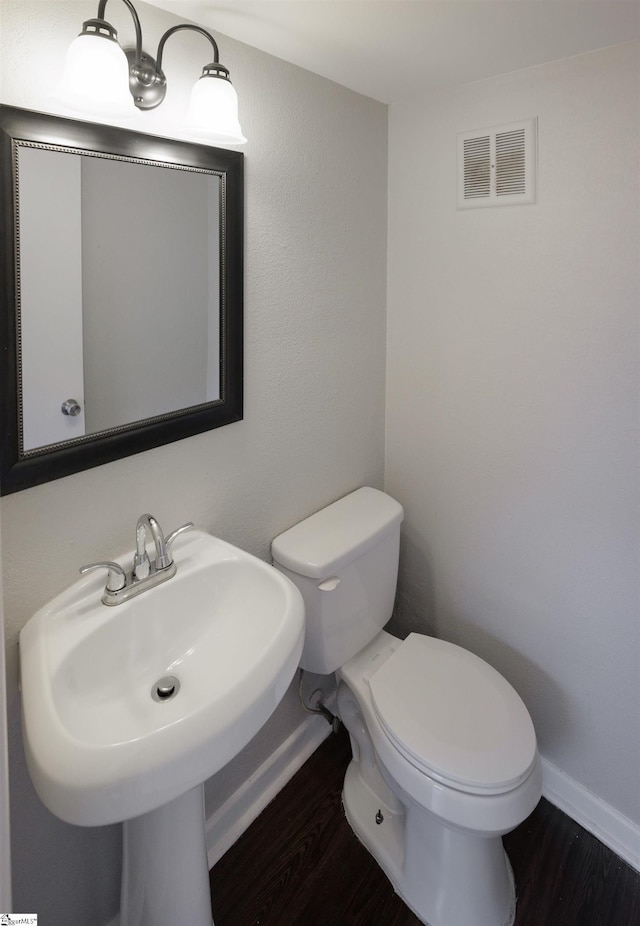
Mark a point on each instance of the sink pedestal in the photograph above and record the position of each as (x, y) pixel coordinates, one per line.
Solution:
(165, 876)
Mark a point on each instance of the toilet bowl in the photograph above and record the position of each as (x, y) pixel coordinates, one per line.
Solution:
(444, 750)
(436, 837)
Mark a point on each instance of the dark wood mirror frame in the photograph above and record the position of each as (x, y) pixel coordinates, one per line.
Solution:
(22, 470)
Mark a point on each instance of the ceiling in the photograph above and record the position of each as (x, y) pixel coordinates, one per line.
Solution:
(393, 50)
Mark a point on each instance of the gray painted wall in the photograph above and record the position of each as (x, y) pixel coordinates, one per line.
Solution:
(512, 404)
(315, 291)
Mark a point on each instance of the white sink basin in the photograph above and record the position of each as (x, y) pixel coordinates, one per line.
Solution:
(100, 749)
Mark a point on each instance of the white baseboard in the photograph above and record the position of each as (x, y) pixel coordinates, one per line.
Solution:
(616, 831)
(229, 822)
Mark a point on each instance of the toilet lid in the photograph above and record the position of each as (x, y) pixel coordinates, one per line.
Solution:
(453, 716)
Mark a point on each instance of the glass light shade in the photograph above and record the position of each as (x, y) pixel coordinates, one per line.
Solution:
(96, 78)
(213, 112)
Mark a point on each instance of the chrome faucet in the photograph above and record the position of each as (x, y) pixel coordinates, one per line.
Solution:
(141, 564)
(144, 574)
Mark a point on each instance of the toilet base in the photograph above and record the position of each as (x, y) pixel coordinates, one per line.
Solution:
(446, 876)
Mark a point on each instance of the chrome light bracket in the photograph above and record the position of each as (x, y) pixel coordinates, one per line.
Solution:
(147, 83)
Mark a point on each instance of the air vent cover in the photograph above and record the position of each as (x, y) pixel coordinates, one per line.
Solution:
(497, 166)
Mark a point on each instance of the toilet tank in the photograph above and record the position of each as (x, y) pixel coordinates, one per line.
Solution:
(344, 560)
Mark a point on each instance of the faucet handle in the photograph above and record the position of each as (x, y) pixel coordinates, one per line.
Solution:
(172, 536)
(116, 576)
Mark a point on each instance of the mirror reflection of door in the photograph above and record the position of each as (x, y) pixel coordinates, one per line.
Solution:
(50, 296)
(119, 265)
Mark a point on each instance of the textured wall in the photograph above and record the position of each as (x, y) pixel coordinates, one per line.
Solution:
(314, 385)
(512, 415)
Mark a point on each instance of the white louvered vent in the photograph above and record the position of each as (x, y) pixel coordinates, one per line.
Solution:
(497, 166)
(477, 167)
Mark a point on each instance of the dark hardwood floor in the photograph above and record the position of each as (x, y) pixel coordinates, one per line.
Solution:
(300, 863)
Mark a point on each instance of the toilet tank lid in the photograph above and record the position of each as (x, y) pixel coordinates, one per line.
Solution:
(321, 544)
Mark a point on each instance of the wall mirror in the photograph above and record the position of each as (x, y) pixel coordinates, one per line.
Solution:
(122, 266)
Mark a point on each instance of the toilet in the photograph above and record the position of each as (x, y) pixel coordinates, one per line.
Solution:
(444, 755)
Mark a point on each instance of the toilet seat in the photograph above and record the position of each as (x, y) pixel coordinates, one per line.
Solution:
(452, 716)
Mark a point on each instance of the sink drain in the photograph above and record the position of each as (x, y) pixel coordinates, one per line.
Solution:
(165, 688)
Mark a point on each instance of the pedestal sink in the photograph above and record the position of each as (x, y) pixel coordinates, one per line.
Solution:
(128, 710)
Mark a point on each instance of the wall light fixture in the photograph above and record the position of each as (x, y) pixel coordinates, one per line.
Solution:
(101, 77)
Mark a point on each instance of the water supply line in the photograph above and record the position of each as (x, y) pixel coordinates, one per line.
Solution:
(332, 719)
